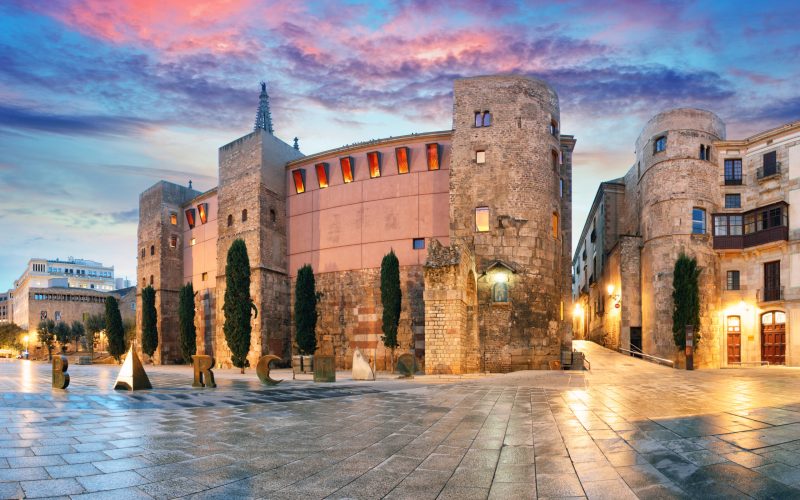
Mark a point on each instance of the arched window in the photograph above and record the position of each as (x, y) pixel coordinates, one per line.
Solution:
(151, 279)
(272, 215)
(230, 220)
(554, 157)
(487, 118)
(144, 282)
(244, 215)
(143, 252)
(555, 225)
(152, 249)
(554, 128)
(478, 119)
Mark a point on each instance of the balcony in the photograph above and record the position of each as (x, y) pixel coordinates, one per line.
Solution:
(733, 181)
(738, 242)
(755, 227)
(770, 294)
(768, 171)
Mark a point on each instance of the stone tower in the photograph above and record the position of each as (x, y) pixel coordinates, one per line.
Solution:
(507, 210)
(674, 179)
(160, 261)
(252, 206)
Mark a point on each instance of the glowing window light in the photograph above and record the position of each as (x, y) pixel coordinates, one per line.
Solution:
(402, 160)
(299, 177)
(190, 217)
(322, 174)
(347, 169)
(433, 156)
(202, 210)
(482, 219)
(374, 163)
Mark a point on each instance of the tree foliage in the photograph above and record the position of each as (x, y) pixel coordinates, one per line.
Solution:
(686, 299)
(149, 321)
(77, 331)
(114, 329)
(46, 333)
(238, 304)
(94, 323)
(11, 336)
(391, 298)
(187, 330)
(63, 334)
(305, 311)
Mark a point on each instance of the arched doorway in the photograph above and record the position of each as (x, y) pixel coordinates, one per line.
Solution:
(773, 337)
(472, 353)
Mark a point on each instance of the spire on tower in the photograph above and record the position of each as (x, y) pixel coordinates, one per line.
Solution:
(296, 144)
(263, 117)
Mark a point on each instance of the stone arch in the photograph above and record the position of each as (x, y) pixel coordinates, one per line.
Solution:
(473, 346)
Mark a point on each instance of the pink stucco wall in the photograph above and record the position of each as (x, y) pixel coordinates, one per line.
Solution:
(200, 257)
(352, 226)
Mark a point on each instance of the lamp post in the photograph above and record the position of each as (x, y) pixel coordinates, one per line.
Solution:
(25, 338)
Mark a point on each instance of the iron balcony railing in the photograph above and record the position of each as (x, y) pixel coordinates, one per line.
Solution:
(768, 171)
(770, 294)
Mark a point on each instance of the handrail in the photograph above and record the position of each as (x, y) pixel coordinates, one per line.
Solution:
(649, 357)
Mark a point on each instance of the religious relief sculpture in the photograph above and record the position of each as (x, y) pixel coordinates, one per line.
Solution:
(203, 376)
(60, 375)
(500, 292)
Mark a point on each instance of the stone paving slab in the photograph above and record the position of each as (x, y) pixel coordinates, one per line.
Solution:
(622, 430)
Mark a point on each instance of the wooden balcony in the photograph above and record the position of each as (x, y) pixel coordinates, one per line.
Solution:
(738, 242)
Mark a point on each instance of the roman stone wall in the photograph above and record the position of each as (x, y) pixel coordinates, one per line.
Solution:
(519, 183)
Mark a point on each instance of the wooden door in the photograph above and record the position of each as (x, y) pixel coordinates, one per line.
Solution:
(734, 339)
(773, 337)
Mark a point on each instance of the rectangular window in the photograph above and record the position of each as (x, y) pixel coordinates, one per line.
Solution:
(482, 219)
(554, 222)
(561, 188)
(173, 241)
(734, 324)
(733, 172)
(190, 220)
(698, 221)
(401, 154)
(733, 200)
(661, 144)
(432, 151)
(193, 242)
(480, 157)
(733, 280)
(347, 169)
(772, 280)
(322, 174)
(299, 177)
(374, 164)
(419, 244)
(204, 276)
(770, 163)
(735, 225)
(173, 218)
(202, 210)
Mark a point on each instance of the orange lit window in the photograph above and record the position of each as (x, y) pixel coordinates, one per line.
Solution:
(402, 160)
(555, 225)
(374, 162)
(322, 174)
(190, 217)
(347, 169)
(173, 219)
(299, 177)
(482, 219)
(433, 156)
(173, 241)
(202, 210)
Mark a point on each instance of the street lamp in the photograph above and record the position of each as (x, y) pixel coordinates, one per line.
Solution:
(25, 338)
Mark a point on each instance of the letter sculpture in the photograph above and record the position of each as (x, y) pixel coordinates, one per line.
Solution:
(203, 376)
(132, 376)
(60, 375)
(262, 370)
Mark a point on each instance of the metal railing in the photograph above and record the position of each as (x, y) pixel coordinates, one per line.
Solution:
(764, 172)
(647, 357)
(770, 294)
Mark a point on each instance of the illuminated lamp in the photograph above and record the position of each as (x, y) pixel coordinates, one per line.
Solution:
(322, 174)
(402, 159)
(190, 217)
(577, 312)
(202, 210)
(374, 164)
(433, 156)
(299, 177)
(347, 169)
(500, 277)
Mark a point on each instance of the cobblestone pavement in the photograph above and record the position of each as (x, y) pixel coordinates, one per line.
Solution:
(625, 429)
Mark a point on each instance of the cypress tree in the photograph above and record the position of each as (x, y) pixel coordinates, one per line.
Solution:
(305, 311)
(188, 333)
(149, 321)
(686, 299)
(46, 333)
(114, 330)
(391, 297)
(238, 303)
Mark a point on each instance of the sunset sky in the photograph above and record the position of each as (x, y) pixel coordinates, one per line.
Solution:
(101, 99)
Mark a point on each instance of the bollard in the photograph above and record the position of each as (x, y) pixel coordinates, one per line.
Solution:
(690, 347)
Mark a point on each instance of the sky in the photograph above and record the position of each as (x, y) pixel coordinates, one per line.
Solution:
(99, 100)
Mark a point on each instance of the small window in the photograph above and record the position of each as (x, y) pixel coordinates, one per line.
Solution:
(347, 169)
(733, 200)
(143, 252)
(705, 152)
(299, 177)
(698, 221)
(733, 280)
(487, 119)
(244, 215)
(482, 219)
(554, 221)
(770, 163)
(151, 279)
(478, 119)
(173, 218)
(480, 157)
(560, 188)
(190, 220)
(204, 276)
(554, 128)
(374, 164)
(419, 244)
(173, 241)
(272, 215)
(152, 249)
(401, 154)
(202, 209)
(432, 153)
(230, 220)
(554, 157)
(193, 241)
(322, 174)
(660, 144)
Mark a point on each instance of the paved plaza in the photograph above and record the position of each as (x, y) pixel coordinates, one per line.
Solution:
(625, 429)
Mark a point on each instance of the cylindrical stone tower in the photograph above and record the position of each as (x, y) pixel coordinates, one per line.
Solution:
(679, 188)
(506, 186)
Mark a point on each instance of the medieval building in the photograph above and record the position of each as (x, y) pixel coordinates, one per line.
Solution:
(478, 216)
(730, 204)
